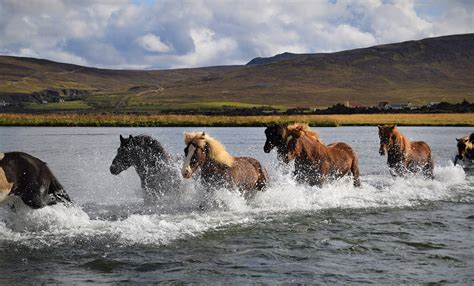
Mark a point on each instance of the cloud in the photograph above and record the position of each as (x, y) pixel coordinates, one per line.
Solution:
(167, 34)
(153, 43)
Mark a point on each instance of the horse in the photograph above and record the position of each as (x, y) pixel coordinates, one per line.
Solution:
(30, 179)
(152, 163)
(404, 156)
(276, 137)
(219, 169)
(316, 163)
(465, 148)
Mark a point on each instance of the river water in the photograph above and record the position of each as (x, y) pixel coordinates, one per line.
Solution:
(390, 231)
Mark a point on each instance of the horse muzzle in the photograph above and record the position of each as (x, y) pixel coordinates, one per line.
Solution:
(267, 148)
(114, 170)
(187, 173)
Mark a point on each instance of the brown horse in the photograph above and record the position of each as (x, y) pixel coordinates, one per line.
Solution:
(465, 148)
(219, 168)
(315, 162)
(402, 155)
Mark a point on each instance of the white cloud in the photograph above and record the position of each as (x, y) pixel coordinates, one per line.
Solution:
(153, 43)
(164, 34)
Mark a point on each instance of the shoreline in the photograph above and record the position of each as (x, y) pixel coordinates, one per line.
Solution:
(112, 120)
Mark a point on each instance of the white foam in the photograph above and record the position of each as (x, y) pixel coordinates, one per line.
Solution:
(178, 216)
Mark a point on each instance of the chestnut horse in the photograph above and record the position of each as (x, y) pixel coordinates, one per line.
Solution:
(465, 148)
(30, 179)
(402, 155)
(219, 168)
(315, 163)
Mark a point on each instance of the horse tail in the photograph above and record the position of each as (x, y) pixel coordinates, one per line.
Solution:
(355, 170)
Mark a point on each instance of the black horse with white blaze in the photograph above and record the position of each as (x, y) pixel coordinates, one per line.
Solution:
(30, 179)
(153, 164)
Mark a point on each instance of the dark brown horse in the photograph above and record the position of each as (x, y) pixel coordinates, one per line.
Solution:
(404, 156)
(316, 163)
(277, 136)
(219, 168)
(465, 148)
(30, 179)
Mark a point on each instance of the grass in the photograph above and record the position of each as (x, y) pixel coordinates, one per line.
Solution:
(67, 105)
(451, 119)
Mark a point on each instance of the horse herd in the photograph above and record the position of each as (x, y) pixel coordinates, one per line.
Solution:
(315, 163)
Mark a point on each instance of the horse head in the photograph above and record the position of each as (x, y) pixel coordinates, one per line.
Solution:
(201, 148)
(276, 137)
(386, 132)
(464, 145)
(195, 152)
(125, 155)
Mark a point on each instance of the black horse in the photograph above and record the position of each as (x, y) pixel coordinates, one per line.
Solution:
(153, 164)
(30, 179)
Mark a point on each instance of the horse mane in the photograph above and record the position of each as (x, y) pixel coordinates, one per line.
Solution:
(301, 129)
(217, 151)
(402, 140)
(150, 143)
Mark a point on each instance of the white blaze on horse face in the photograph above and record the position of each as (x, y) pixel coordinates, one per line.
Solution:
(2, 155)
(5, 186)
(289, 139)
(187, 161)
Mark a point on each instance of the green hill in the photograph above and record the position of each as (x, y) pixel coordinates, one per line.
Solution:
(433, 69)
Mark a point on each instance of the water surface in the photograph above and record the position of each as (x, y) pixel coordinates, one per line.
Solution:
(392, 230)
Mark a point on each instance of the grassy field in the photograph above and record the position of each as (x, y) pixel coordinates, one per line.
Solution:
(451, 119)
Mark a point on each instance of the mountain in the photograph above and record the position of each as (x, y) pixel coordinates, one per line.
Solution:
(432, 69)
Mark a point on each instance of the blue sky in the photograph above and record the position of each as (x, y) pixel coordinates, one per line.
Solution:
(148, 34)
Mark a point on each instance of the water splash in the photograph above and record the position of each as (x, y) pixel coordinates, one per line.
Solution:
(179, 216)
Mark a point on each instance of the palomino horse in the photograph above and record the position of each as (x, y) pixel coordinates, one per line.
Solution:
(465, 148)
(30, 179)
(315, 162)
(402, 155)
(152, 163)
(219, 168)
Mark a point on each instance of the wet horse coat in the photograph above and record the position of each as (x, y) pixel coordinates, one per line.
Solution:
(465, 148)
(316, 163)
(220, 169)
(404, 156)
(152, 163)
(30, 179)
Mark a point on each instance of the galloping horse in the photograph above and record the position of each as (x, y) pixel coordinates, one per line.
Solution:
(402, 155)
(30, 179)
(465, 148)
(277, 136)
(153, 165)
(219, 168)
(315, 162)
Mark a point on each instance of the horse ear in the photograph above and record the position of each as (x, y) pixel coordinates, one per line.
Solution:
(457, 139)
(130, 137)
(203, 133)
(393, 126)
(122, 140)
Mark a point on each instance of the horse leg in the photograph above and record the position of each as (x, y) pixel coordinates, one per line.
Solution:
(428, 172)
(355, 172)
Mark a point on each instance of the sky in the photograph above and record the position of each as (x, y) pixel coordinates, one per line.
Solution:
(148, 34)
